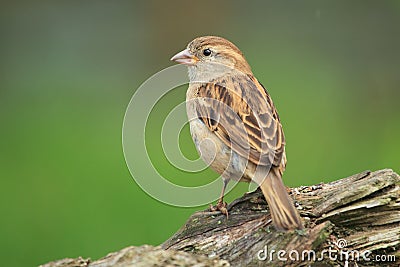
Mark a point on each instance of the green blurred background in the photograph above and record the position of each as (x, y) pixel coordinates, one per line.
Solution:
(69, 68)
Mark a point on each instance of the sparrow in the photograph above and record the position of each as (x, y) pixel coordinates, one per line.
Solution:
(235, 125)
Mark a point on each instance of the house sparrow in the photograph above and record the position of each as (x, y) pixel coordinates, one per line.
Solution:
(235, 125)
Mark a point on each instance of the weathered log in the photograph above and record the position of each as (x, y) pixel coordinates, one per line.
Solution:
(354, 221)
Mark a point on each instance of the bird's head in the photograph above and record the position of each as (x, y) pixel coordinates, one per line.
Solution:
(210, 56)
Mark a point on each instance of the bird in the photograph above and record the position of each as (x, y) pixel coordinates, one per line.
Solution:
(235, 126)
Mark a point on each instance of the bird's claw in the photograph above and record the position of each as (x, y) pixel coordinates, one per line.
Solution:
(221, 206)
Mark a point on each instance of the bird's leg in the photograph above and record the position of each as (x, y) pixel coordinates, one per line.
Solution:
(221, 205)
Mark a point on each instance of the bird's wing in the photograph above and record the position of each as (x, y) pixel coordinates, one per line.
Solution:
(241, 113)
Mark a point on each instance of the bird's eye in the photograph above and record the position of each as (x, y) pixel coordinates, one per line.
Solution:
(206, 52)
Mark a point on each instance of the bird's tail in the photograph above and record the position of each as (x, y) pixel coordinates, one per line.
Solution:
(284, 215)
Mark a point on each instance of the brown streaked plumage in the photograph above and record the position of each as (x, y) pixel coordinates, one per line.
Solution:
(228, 106)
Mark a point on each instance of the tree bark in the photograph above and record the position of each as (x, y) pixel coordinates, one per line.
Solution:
(354, 221)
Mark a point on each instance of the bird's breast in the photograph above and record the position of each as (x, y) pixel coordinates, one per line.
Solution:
(219, 156)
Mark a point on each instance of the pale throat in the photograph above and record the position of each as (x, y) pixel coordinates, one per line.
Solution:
(206, 72)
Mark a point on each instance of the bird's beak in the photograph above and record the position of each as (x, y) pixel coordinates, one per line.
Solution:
(185, 57)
